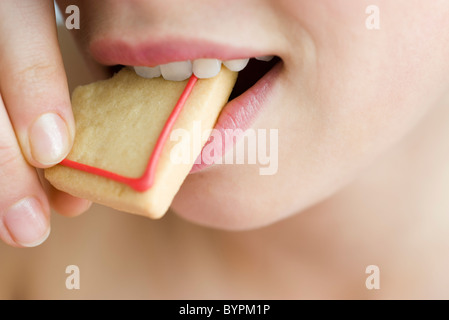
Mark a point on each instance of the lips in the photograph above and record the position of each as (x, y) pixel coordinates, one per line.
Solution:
(239, 113)
(152, 53)
(249, 97)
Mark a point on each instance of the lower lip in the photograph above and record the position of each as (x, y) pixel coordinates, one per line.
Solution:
(238, 114)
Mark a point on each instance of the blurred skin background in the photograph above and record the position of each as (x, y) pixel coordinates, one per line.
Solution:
(320, 253)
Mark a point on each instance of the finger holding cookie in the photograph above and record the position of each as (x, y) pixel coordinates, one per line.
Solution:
(36, 121)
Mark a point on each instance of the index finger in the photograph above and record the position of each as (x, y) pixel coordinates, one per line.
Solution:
(33, 82)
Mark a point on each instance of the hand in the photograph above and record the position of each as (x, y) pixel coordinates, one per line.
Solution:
(36, 121)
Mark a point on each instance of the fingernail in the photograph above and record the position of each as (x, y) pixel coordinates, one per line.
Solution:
(49, 139)
(27, 223)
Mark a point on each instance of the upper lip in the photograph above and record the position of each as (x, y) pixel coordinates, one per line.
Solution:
(156, 52)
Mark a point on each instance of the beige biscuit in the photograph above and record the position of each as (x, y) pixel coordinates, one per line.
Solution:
(117, 124)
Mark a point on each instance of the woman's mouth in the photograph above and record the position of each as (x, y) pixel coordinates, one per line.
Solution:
(256, 79)
(250, 95)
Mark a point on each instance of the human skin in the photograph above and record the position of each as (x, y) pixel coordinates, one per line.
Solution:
(36, 122)
(345, 94)
(392, 214)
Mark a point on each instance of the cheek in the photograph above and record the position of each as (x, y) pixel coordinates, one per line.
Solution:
(360, 93)
(375, 85)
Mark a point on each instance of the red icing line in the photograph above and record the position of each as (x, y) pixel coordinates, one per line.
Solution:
(146, 180)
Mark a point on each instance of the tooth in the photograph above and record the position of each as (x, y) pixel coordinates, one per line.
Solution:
(265, 58)
(177, 71)
(206, 68)
(148, 72)
(236, 65)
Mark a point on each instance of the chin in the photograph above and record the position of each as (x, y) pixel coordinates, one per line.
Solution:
(218, 208)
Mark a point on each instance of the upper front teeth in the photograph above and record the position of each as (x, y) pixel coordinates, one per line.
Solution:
(202, 68)
(206, 68)
(177, 71)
